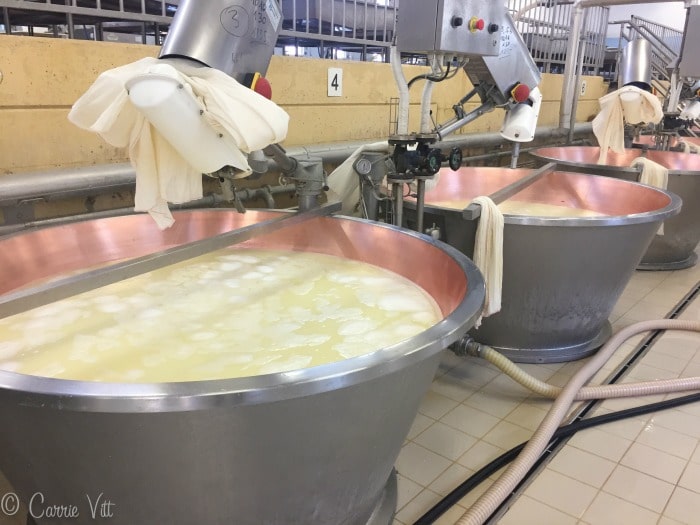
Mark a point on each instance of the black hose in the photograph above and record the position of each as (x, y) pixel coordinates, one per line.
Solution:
(427, 76)
(565, 431)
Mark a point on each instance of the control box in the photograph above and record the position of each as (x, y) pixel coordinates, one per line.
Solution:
(453, 27)
(512, 68)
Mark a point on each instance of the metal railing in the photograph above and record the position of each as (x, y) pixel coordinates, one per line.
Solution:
(545, 26)
(355, 29)
(339, 29)
(89, 19)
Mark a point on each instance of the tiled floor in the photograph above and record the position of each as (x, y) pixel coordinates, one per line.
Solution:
(638, 471)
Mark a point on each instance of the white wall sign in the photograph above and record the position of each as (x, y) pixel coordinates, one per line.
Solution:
(335, 82)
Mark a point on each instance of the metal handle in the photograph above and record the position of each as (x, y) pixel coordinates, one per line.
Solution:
(473, 211)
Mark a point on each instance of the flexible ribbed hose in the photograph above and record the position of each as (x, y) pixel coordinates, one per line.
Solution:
(506, 483)
(646, 388)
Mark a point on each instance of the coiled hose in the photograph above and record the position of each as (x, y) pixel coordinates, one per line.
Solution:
(489, 502)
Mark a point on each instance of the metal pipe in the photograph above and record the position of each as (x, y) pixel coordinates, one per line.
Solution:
(577, 83)
(515, 155)
(397, 188)
(266, 193)
(65, 182)
(420, 205)
(61, 183)
(567, 91)
(469, 117)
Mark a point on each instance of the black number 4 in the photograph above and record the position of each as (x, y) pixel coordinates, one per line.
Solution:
(334, 83)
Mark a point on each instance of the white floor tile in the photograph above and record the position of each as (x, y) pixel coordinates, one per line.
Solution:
(583, 466)
(527, 416)
(601, 444)
(562, 492)
(435, 405)
(528, 511)
(420, 464)
(419, 425)
(450, 479)
(607, 509)
(506, 435)
(446, 441)
(662, 438)
(479, 455)
(470, 420)
(417, 506)
(654, 462)
(407, 490)
(691, 477)
(638, 488)
(684, 506)
(679, 421)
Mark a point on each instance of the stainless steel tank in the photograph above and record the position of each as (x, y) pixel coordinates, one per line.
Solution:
(675, 249)
(561, 276)
(635, 64)
(314, 446)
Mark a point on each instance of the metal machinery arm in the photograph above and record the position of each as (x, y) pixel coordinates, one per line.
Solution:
(239, 39)
(478, 36)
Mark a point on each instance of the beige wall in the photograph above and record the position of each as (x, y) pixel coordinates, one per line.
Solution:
(41, 78)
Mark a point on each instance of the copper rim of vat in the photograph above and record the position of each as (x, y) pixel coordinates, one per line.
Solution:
(586, 157)
(621, 202)
(445, 273)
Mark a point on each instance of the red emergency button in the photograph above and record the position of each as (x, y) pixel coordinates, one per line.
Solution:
(520, 93)
(261, 86)
(476, 24)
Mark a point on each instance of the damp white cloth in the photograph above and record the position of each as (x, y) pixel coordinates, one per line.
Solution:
(629, 104)
(344, 181)
(246, 120)
(653, 174)
(688, 147)
(488, 254)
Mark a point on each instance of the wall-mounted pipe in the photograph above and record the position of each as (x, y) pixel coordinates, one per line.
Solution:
(74, 182)
(66, 182)
(266, 193)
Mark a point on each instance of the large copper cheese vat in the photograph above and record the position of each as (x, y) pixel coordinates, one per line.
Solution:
(312, 446)
(675, 249)
(561, 275)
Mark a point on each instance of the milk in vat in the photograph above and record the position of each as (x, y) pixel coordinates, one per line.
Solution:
(232, 313)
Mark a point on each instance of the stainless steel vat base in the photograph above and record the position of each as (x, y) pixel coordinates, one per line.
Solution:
(667, 266)
(383, 513)
(560, 354)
